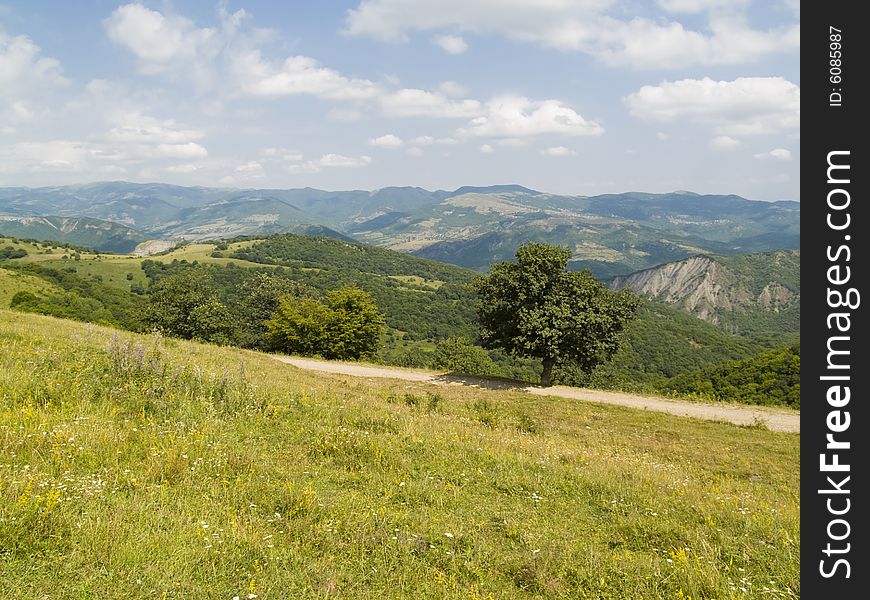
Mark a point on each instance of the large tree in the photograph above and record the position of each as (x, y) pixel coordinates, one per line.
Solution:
(185, 305)
(535, 307)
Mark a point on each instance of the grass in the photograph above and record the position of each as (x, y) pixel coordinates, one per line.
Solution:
(113, 269)
(139, 467)
(12, 282)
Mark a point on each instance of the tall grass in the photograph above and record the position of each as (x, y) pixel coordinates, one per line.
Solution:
(141, 467)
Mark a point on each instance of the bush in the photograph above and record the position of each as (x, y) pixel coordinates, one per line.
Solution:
(459, 355)
(10, 252)
(347, 326)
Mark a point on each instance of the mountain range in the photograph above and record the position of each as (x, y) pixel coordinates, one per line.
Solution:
(613, 234)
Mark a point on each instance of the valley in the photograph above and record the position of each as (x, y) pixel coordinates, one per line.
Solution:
(613, 235)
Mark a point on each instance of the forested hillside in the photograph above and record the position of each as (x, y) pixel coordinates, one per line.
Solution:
(428, 306)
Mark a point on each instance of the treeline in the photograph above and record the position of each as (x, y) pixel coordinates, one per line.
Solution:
(768, 378)
(292, 250)
(420, 314)
(661, 343)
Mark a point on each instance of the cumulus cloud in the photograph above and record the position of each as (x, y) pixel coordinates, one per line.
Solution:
(486, 149)
(143, 129)
(296, 75)
(330, 161)
(699, 6)
(558, 151)
(452, 89)
(386, 141)
(25, 78)
(744, 106)
(584, 26)
(451, 44)
(249, 171)
(724, 142)
(519, 117)
(145, 136)
(161, 42)
(183, 169)
(22, 69)
(776, 154)
(410, 102)
(415, 152)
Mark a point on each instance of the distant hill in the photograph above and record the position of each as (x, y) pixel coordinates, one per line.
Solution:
(97, 234)
(613, 234)
(758, 294)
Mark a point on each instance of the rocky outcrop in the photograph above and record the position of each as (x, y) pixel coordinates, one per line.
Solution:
(705, 287)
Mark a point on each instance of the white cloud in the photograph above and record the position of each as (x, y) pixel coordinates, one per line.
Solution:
(188, 151)
(140, 135)
(411, 102)
(584, 26)
(183, 169)
(26, 78)
(330, 161)
(22, 69)
(143, 129)
(423, 140)
(415, 152)
(386, 141)
(452, 89)
(296, 75)
(487, 149)
(699, 6)
(451, 44)
(519, 117)
(160, 42)
(724, 142)
(776, 153)
(282, 154)
(558, 151)
(249, 171)
(745, 106)
(661, 135)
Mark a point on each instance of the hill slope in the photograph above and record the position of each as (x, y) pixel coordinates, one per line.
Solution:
(104, 236)
(755, 293)
(176, 469)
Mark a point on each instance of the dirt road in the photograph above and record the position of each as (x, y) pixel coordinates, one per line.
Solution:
(774, 419)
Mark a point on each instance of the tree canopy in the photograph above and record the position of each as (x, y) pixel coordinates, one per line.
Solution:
(535, 307)
(347, 325)
(185, 305)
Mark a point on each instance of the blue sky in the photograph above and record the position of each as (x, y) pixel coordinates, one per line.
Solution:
(567, 96)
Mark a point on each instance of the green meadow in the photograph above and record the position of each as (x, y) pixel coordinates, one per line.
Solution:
(135, 466)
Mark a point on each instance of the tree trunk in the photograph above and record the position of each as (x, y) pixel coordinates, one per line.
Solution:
(547, 372)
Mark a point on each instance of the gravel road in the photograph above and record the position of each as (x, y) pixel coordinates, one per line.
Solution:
(774, 419)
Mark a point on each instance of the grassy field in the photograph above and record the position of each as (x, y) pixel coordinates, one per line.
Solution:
(114, 268)
(140, 467)
(12, 282)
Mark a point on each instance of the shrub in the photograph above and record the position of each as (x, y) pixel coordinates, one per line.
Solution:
(459, 355)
